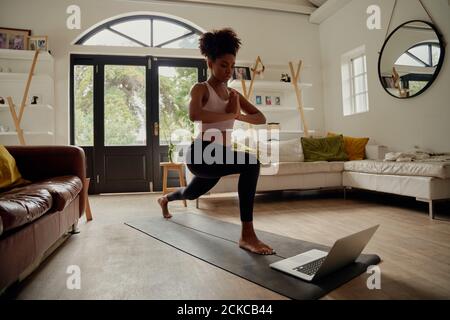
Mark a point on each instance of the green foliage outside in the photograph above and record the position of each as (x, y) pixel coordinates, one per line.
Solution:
(416, 86)
(124, 105)
(84, 106)
(174, 103)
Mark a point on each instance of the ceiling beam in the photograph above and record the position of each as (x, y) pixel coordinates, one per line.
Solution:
(327, 10)
(305, 8)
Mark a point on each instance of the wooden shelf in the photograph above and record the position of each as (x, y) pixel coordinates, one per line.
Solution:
(24, 55)
(268, 65)
(23, 76)
(27, 133)
(275, 108)
(280, 108)
(268, 85)
(263, 127)
(4, 107)
(31, 138)
(295, 131)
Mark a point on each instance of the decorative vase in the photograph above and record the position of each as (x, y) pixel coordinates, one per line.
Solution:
(170, 152)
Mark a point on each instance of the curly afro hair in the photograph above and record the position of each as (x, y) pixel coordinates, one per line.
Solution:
(219, 42)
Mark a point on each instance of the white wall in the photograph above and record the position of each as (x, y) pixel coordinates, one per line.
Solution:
(422, 121)
(277, 37)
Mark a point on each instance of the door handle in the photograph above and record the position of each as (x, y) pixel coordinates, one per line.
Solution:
(156, 129)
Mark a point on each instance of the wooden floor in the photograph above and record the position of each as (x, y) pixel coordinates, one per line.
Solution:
(118, 262)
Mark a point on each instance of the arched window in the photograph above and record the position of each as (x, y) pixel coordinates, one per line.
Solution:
(143, 31)
(425, 54)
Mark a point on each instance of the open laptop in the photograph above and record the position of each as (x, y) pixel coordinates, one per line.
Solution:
(314, 264)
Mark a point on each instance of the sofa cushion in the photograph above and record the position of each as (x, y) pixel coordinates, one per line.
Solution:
(19, 207)
(354, 147)
(324, 149)
(9, 173)
(294, 168)
(421, 169)
(63, 190)
(288, 151)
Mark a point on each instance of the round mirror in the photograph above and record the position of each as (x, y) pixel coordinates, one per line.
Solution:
(411, 59)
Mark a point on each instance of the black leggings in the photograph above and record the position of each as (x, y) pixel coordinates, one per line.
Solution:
(206, 175)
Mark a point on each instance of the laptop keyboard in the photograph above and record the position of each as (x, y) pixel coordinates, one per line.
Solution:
(311, 268)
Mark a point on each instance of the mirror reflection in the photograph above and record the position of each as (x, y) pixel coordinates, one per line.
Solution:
(411, 59)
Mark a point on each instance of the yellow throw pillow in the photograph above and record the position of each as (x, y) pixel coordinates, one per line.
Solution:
(9, 173)
(354, 147)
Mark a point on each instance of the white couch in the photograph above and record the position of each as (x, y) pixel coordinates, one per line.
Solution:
(426, 182)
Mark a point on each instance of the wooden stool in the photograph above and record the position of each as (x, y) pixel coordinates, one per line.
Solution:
(167, 166)
(88, 207)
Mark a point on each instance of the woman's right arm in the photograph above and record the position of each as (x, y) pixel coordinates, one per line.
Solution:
(196, 112)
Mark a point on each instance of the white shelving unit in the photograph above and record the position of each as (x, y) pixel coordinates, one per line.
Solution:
(38, 122)
(287, 113)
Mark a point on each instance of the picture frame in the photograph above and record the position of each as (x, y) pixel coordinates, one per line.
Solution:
(241, 73)
(16, 39)
(258, 100)
(268, 100)
(38, 42)
(277, 100)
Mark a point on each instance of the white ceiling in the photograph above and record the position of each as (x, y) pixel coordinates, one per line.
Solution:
(294, 6)
(317, 3)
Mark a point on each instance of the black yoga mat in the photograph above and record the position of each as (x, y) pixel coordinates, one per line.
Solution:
(215, 242)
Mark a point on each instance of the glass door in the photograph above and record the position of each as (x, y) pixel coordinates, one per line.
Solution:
(123, 145)
(126, 112)
(110, 116)
(174, 79)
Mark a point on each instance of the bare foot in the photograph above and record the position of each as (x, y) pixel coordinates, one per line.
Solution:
(163, 201)
(253, 244)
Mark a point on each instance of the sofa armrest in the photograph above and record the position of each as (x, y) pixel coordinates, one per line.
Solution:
(375, 152)
(43, 162)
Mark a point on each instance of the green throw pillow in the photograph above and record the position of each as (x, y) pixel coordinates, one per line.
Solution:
(324, 149)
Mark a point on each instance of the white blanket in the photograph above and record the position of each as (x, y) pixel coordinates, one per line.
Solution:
(416, 156)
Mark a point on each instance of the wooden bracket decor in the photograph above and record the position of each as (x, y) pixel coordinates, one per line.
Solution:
(248, 94)
(18, 118)
(403, 93)
(298, 93)
(16, 121)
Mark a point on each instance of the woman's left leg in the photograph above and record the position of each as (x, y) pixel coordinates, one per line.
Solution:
(196, 188)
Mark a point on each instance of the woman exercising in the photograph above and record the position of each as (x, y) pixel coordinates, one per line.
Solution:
(210, 156)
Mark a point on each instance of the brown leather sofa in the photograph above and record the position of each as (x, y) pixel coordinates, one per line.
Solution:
(37, 217)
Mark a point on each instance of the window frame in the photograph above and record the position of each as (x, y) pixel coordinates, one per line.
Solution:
(349, 78)
(353, 79)
(108, 26)
(429, 46)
